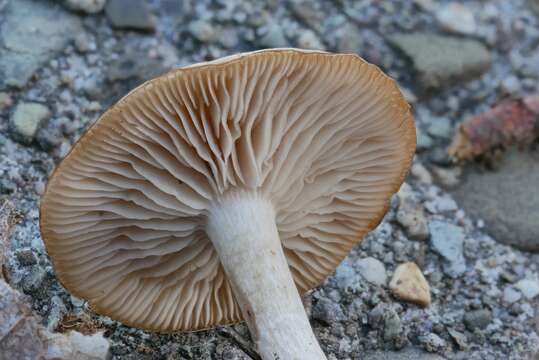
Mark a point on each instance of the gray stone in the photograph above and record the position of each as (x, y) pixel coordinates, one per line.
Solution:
(528, 287)
(19, 330)
(534, 5)
(448, 241)
(33, 279)
(309, 40)
(440, 127)
(420, 172)
(56, 314)
(443, 60)
(31, 34)
(74, 345)
(525, 64)
(131, 65)
(84, 43)
(5, 100)
(456, 18)
(432, 343)
(349, 39)
(505, 198)
(449, 178)
(327, 311)
(392, 325)
(376, 315)
(511, 85)
(202, 30)
(26, 120)
(130, 14)
(477, 319)
(346, 277)
(424, 140)
(441, 204)
(372, 270)
(459, 338)
(411, 215)
(406, 354)
(274, 37)
(511, 295)
(87, 6)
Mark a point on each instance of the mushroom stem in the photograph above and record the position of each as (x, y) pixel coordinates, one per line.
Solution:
(242, 229)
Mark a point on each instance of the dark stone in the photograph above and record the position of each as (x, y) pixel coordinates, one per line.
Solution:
(130, 14)
(477, 319)
(507, 199)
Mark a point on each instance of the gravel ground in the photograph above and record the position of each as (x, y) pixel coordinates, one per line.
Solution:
(63, 62)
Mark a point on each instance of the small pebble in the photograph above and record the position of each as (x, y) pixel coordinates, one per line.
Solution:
(421, 173)
(26, 120)
(477, 319)
(372, 270)
(511, 295)
(432, 343)
(5, 100)
(528, 287)
(308, 40)
(409, 284)
(456, 18)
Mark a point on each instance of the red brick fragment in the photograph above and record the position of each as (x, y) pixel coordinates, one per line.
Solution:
(512, 122)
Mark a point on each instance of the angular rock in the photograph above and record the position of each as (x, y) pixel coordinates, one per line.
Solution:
(433, 343)
(19, 330)
(442, 60)
(448, 241)
(74, 345)
(346, 277)
(505, 198)
(130, 14)
(87, 6)
(327, 311)
(460, 338)
(26, 120)
(409, 284)
(31, 34)
(372, 270)
(511, 295)
(22, 337)
(441, 204)
(411, 215)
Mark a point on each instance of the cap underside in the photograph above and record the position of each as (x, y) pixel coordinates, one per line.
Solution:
(327, 138)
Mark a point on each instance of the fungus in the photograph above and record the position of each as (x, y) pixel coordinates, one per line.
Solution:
(224, 190)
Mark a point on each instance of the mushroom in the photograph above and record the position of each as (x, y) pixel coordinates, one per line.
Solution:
(224, 190)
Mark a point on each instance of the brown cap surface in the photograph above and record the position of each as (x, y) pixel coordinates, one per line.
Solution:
(328, 138)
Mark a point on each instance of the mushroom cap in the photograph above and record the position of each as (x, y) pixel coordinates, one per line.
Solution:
(327, 138)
